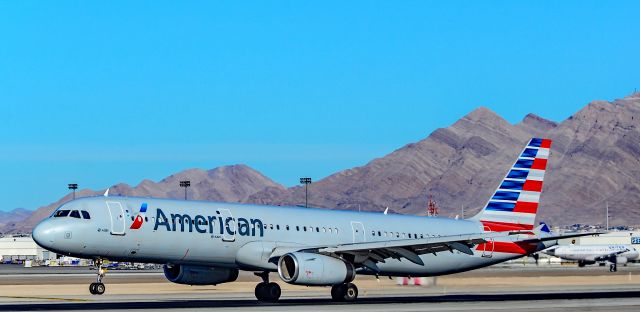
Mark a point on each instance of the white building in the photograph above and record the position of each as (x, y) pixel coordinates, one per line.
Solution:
(618, 237)
(19, 248)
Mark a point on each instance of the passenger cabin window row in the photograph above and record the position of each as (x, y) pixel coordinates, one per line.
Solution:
(83, 214)
(301, 228)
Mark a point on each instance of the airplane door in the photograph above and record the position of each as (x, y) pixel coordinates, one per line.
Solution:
(116, 214)
(229, 226)
(358, 232)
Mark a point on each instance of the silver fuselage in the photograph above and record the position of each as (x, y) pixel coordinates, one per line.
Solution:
(243, 236)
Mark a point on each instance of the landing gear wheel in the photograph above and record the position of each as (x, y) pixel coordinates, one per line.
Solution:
(260, 291)
(273, 292)
(268, 292)
(337, 291)
(99, 288)
(344, 292)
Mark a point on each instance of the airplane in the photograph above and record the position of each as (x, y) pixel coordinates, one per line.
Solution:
(208, 243)
(590, 254)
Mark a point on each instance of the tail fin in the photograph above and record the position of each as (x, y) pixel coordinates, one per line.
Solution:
(514, 204)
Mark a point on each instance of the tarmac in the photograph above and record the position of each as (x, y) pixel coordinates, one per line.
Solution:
(500, 288)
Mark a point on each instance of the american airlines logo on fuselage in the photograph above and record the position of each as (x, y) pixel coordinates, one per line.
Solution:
(207, 224)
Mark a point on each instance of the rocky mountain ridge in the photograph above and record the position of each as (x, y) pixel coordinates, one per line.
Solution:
(595, 161)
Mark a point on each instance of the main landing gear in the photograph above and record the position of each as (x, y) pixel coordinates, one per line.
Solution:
(344, 292)
(98, 287)
(265, 291)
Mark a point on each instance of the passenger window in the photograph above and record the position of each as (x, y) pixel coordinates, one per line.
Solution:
(304, 228)
(271, 226)
(379, 233)
(131, 218)
(278, 227)
(85, 215)
(297, 228)
(146, 219)
(75, 214)
(409, 235)
(287, 227)
(317, 229)
(61, 213)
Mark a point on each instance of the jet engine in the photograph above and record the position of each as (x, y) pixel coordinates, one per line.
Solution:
(302, 268)
(620, 260)
(199, 275)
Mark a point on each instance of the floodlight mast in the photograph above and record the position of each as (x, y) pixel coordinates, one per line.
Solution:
(306, 182)
(73, 187)
(185, 184)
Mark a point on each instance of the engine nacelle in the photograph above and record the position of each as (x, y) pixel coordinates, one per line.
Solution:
(302, 268)
(199, 275)
(621, 260)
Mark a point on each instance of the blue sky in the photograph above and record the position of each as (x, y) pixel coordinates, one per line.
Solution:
(104, 92)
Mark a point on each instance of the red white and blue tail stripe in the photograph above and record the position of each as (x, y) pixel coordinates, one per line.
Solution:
(515, 203)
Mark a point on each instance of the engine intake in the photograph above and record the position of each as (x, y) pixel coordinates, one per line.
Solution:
(199, 275)
(302, 268)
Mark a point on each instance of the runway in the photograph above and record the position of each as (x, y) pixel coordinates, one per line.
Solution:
(592, 301)
(512, 288)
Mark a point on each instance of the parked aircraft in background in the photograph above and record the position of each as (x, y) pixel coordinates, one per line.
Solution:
(590, 254)
(206, 243)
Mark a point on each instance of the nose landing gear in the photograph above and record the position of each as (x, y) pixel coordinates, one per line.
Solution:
(265, 291)
(98, 287)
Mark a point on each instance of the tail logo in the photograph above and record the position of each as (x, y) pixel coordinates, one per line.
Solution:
(137, 223)
(514, 204)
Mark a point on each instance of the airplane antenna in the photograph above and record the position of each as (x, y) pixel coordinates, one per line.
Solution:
(386, 210)
(106, 193)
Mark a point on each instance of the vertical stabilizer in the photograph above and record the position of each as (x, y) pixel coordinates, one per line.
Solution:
(514, 204)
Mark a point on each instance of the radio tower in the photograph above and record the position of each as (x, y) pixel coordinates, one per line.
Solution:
(432, 209)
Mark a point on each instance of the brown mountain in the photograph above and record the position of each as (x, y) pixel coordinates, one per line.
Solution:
(229, 184)
(14, 216)
(595, 160)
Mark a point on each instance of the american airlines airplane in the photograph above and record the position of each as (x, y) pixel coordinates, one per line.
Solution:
(207, 243)
(590, 254)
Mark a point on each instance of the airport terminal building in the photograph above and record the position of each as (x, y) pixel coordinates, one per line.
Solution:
(17, 249)
(617, 237)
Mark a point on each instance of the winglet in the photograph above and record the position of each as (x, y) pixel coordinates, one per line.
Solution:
(106, 193)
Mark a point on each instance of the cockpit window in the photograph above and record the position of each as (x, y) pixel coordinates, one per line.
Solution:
(61, 213)
(75, 214)
(85, 214)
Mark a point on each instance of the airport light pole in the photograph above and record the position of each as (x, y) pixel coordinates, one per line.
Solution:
(306, 182)
(185, 184)
(73, 187)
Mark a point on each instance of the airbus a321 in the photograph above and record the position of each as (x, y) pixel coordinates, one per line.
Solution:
(208, 243)
(590, 254)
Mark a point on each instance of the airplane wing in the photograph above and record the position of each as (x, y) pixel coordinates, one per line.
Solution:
(370, 253)
(557, 237)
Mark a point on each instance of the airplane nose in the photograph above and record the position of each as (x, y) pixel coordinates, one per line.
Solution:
(43, 234)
